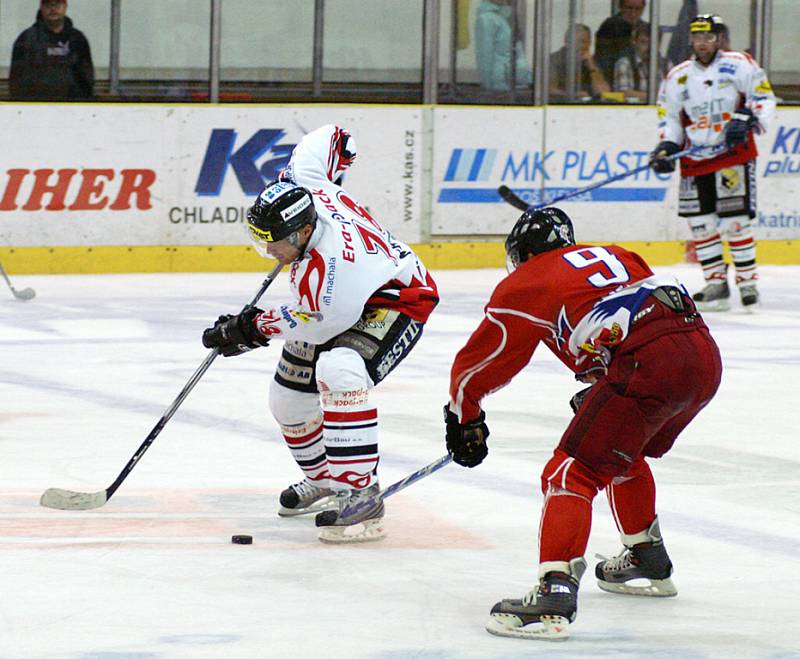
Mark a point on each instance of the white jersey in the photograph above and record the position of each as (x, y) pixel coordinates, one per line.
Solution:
(351, 261)
(696, 102)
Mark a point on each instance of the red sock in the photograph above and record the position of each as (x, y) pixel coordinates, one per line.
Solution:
(633, 501)
(564, 528)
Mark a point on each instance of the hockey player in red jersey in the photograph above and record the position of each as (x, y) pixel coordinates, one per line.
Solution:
(638, 339)
(360, 300)
(716, 100)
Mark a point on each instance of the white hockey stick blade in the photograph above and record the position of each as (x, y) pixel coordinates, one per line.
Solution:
(24, 294)
(60, 499)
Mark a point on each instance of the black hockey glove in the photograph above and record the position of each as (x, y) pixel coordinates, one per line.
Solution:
(466, 441)
(740, 124)
(658, 158)
(234, 335)
(577, 400)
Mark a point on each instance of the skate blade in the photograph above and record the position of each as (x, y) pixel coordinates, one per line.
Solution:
(650, 587)
(751, 308)
(326, 503)
(550, 628)
(368, 531)
(716, 305)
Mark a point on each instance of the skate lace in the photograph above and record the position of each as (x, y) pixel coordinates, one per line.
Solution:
(621, 561)
(529, 599)
(305, 489)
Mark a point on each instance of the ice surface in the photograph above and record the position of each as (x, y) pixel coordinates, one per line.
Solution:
(89, 366)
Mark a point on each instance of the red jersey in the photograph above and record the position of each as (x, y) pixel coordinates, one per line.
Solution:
(579, 300)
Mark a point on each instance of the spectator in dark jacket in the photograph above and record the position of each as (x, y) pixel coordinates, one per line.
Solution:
(51, 60)
(614, 35)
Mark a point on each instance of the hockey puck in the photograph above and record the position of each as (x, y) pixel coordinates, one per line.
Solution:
(242, 539)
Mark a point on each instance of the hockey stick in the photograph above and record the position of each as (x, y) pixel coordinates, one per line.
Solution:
(68, 500)
(399, 485)
(510, 197)
(24, 294)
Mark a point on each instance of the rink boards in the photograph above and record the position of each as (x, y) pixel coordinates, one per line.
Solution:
(127, 188)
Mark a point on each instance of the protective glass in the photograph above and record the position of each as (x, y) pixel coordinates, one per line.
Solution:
(259, 243)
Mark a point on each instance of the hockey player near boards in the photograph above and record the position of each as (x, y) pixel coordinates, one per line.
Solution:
(361, 299)
(716, 99)
(652, 364)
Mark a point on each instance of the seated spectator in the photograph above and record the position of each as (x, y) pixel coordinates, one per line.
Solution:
(632, 70)
(614, 34)
(51, 60)
(497, 27)
(590, 80)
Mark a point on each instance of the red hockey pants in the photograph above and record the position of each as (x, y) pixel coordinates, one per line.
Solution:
(658, 381)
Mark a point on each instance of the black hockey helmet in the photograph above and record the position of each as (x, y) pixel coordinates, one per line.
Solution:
(282, 209)
(538, 231)
(708, 23)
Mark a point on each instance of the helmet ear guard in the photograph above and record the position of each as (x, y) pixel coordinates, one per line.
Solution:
(538, 231)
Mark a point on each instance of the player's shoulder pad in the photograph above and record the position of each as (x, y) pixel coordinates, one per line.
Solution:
(511, 284)
(678, 68)
(736, 56)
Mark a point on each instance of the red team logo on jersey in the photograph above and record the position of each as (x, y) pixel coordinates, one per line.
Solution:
(311, 284)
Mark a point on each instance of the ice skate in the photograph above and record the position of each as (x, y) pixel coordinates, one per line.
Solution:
(749, 295)
(365, 526)
(714, 297)
(545, 613)
(642, 569)
(305, 497)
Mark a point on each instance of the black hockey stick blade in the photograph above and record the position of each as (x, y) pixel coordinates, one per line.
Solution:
(510, 197)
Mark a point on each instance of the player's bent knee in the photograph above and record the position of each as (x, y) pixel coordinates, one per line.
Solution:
(564, 473)
(290, 407)
(342, 369)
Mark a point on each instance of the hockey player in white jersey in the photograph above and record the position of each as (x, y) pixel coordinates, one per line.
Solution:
(716, 100)
(361, 298)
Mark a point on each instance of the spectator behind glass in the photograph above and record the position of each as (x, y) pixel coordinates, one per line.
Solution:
(632, 70)
(614, 35)
(591, 82)
(494, 34)
(51, 60)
